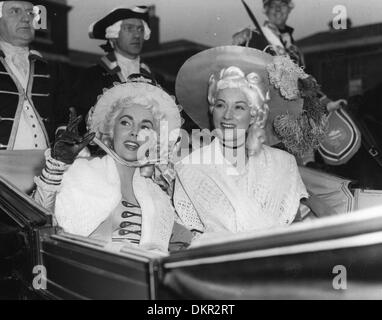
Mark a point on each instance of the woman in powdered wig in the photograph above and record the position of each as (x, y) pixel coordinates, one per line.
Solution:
(237, 183)
(114, 198)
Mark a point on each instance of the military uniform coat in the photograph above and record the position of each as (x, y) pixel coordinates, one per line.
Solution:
(42, 93)
(94, 81)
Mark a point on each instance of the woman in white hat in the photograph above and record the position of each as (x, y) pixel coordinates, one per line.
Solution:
(110, 197)
(237, 183)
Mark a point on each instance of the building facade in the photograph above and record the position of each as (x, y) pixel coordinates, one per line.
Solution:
(345, 62)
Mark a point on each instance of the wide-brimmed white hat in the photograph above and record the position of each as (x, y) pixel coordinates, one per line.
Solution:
(295, 116)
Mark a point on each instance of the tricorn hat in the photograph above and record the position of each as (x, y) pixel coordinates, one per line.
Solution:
(97, 30)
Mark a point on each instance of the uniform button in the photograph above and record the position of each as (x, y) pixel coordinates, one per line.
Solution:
(123, 232)
(27, 108)
(32, 117)
(36, 145)
(123, 225)
(35, 135)
(125, 214)
(125, 203)
(33, 126)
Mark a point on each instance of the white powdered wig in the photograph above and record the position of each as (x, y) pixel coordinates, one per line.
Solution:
(112, 32)
(157, 100)
(250, 85)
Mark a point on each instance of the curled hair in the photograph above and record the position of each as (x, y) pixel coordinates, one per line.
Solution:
(107, 127)
(112, 32)
(250, 85)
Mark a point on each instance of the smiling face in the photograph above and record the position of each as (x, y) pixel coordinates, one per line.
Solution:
(128, 124)
(16, 24)
(231, 115)
(277, 12)
(131, 38)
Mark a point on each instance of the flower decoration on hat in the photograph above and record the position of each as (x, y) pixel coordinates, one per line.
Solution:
(304, 132)
(284, 75)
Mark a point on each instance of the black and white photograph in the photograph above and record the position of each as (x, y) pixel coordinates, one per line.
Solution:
(208, 151)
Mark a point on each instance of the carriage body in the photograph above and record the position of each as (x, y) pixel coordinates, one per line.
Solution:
(299, 262)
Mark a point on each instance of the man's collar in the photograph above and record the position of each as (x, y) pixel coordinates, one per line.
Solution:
(109, 63)
(33, 55)
(272, 26)
(9, 48)
(121, 58)
(288, 29)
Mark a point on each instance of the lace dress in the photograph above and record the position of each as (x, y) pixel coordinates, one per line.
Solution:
(265, 195)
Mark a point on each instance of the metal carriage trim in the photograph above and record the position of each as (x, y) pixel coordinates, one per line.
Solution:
(137, 254)
(40, 94)
(70, 292)
(41, 76)
(318, 246)
(10, 92)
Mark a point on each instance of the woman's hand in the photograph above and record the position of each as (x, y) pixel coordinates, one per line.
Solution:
(69, 143)
(255, 139)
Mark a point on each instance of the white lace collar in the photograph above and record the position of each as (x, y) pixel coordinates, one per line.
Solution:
(128, 66)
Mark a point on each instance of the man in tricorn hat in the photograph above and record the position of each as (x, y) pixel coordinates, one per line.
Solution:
(125, 31)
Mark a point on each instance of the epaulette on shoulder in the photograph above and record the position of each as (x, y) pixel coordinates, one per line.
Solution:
(110, 65)
(145, 67)
(35, 55)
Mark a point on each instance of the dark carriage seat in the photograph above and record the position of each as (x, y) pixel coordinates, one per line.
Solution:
(10, 242)
(19, 167)
(11, 254)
